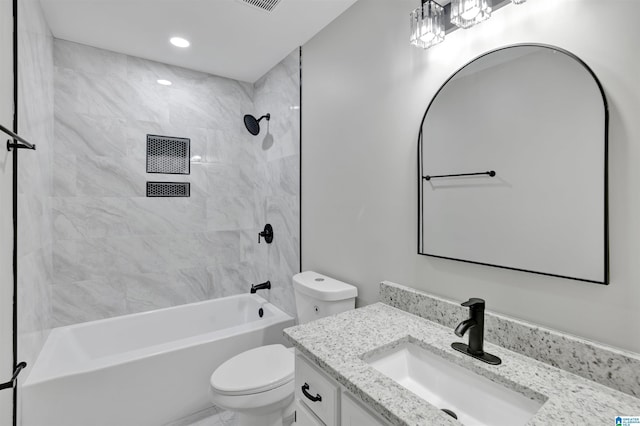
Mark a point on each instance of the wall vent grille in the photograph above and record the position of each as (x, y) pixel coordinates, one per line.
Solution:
(168, 155)
(168, 189)
(267, 5)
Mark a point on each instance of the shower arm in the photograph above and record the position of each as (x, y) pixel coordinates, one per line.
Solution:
(24, 144)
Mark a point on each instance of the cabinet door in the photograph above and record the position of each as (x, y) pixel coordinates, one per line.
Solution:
(317, 390)
(304, 416)
(354, 414)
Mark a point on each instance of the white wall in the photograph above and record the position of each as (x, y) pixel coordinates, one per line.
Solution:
(364, 93)
(6, 205)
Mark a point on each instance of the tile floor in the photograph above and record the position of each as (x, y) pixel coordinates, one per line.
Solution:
(212, 416)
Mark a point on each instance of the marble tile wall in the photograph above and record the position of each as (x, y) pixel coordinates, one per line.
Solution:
(278, 93)
(36, 124)
(116, 251)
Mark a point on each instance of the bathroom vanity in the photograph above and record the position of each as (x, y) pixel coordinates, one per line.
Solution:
(348, 370)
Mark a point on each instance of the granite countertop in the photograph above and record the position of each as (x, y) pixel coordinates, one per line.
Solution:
(340, 344)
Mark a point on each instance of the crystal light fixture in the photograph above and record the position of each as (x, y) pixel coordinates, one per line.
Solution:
(467, 13)
(427, 24)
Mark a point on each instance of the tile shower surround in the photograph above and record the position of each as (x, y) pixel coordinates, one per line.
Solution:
(35, 186)
(116, 251)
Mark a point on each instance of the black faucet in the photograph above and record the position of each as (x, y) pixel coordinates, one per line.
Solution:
(263, 286)
(475, 325)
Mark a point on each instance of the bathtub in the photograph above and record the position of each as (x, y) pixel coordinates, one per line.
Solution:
(149, 368)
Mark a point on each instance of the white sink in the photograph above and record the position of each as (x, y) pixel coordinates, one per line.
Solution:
(475, 400)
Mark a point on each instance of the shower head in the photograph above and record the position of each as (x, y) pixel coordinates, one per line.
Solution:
(252, 124)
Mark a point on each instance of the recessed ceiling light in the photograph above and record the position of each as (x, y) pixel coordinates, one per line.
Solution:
(164, 82)
(179, 42)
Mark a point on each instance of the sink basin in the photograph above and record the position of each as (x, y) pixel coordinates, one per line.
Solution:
(474, 399)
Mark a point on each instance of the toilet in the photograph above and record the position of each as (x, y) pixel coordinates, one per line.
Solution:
(258, 384)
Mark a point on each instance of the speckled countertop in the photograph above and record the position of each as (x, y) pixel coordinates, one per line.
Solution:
(340, 344)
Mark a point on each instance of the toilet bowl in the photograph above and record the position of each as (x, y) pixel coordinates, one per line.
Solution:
(258, 384)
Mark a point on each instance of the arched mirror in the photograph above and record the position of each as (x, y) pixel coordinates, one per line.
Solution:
(512, 159)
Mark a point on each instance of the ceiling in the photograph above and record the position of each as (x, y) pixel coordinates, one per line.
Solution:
(228, 37)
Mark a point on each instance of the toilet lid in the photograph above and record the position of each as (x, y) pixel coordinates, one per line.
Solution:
(254, 371)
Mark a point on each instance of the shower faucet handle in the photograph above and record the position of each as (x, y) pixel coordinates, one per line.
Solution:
(267, 234)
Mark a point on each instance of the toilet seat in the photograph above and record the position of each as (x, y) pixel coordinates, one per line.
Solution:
(254, 371)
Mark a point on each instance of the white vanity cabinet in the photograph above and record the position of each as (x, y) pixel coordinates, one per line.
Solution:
(304, 416)
(321, 401)
(353, 413)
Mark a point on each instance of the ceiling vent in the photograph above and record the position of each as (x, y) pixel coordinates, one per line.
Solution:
(266, 5)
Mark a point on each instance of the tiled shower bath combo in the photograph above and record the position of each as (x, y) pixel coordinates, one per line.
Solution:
(93, 245)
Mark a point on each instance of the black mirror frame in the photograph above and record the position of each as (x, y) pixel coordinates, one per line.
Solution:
(606, 277)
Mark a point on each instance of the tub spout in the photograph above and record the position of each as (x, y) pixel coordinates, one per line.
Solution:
(263, 286)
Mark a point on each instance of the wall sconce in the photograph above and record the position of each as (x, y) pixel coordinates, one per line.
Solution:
(427, 24)
(431, 21)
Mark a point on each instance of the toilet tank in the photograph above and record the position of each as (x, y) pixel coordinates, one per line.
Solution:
(319, 296)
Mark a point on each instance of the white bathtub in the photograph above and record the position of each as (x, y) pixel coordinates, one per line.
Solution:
(143, 369)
